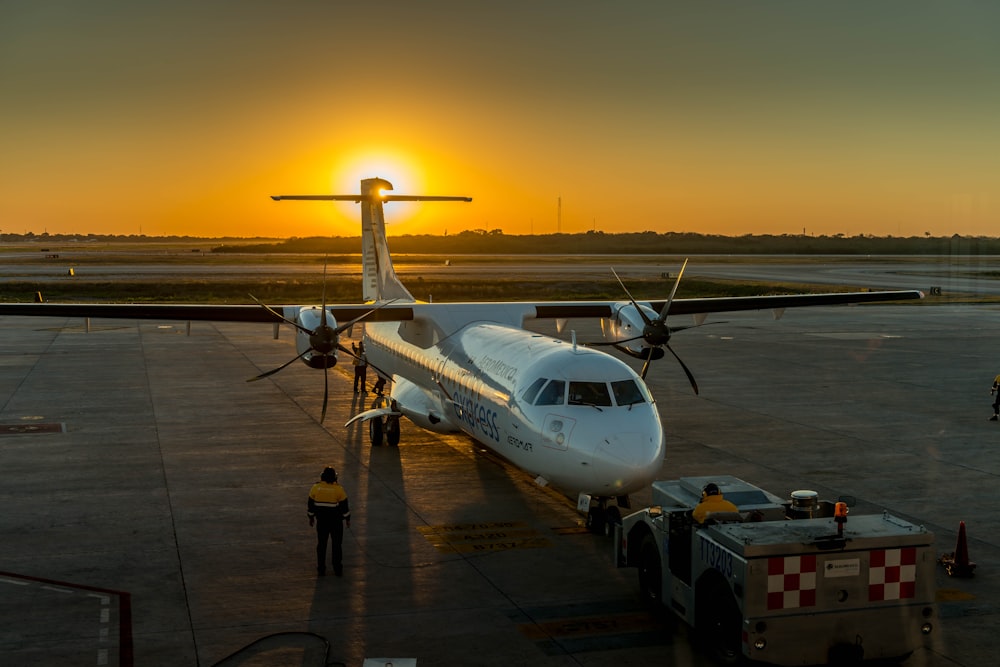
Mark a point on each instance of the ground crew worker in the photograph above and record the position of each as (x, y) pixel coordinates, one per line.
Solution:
(995, 393)
(711, 501)
(328, 510)
(360, 366)
(379, 387)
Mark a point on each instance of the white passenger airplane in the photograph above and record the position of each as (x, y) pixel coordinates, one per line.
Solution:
(572, 416)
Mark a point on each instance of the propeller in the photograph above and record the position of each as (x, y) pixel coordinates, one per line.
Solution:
(655, 332)
(323, 340)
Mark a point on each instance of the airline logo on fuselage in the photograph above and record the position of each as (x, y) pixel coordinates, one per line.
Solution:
(498, 369)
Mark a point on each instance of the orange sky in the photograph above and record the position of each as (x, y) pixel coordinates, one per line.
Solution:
(714, 117)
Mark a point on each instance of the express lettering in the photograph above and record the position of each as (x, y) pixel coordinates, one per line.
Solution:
(477, 416)
(716, 557)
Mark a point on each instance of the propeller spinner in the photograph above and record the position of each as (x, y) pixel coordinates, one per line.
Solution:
(655, 332)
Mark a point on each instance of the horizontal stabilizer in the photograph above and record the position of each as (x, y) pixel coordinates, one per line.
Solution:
(360, 198)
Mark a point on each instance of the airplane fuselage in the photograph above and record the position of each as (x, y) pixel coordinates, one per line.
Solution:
(580, 419)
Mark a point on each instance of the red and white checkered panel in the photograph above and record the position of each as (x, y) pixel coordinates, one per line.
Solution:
(791, 582)
(892, 574)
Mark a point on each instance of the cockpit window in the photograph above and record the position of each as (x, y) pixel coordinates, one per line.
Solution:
(627, 392)
(589, 393)
(553, 394)
(531, 392)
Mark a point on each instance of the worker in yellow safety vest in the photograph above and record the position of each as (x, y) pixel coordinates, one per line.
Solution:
(711, 501)
(328, 511)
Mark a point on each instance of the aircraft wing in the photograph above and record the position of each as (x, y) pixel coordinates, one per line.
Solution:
(209, 312)
(393, 313)
(728, 304)
(590, 309)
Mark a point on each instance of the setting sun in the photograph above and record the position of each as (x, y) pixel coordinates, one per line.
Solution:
(800, 138)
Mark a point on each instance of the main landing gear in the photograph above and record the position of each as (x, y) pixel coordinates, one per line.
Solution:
(602, 518)
(383, 429)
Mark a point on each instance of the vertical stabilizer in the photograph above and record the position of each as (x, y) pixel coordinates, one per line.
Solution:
(379, 280)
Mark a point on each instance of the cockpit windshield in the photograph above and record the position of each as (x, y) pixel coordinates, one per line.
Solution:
(544, 391)
(553, 394)
(589, 393)
(531, 392)
(627, 392)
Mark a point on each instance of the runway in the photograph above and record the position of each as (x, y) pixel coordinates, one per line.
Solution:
(154, 501)
(970, 275)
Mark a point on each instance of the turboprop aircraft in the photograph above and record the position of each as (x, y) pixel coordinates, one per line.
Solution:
(571, 415)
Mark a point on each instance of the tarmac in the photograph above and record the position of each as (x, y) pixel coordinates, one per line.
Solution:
(154, 502)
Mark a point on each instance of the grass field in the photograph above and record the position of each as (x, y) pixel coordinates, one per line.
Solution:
(188, 272)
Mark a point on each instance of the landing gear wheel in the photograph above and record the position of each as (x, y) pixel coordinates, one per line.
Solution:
(719, 624)
(596, 519)
(612, 518)
(650, 573)
(375, 431)
(392, 431)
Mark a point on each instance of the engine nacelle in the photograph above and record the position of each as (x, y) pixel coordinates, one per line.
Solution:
(627, 323)
(319, 348)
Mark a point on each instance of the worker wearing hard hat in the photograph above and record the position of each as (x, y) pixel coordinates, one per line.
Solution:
(328, 511)
(711, 501)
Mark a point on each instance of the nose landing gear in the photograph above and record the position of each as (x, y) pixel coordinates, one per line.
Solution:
(602, 518)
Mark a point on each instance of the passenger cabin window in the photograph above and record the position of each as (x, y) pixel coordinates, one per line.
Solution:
(531, 392)
(627, 392)
(553, 394)
(589, 393)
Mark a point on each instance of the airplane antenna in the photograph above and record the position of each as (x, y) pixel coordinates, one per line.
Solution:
(573, 336)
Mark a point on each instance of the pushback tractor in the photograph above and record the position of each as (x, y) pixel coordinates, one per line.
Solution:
(785, 582)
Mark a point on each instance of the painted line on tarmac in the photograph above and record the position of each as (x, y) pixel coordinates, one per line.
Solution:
(483, 537)
(103, 654)
(604, 626)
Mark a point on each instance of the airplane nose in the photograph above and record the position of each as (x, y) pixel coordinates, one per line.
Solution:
(634, 456)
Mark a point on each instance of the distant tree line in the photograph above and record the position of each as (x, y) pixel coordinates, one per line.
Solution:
(483, 242)
(480, 242)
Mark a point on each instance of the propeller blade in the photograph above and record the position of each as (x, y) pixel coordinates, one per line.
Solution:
(694, 385)
(645, 364)
(351, 354)
(323, 313)
(279, 368)
(326, 392)
(629, 295)
(670, 300)
(613, 343)
(280, 316)
(348, 325)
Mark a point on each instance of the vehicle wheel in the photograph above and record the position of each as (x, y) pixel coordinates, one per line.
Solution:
(650, 574)
(719, 624)
(375, 431)
(392, 431)
(612, 518)
(596, 520)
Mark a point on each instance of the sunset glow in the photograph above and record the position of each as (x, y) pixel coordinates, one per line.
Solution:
(750, 118)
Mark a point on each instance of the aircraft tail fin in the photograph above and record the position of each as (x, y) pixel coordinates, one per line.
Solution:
(379, 279)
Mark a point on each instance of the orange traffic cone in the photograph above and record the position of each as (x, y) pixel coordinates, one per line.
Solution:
(957, 563)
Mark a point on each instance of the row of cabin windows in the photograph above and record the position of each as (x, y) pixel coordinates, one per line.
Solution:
(544, 391)
(396, 348)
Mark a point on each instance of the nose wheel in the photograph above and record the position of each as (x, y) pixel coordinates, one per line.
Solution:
(602, 519)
